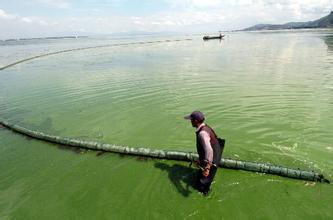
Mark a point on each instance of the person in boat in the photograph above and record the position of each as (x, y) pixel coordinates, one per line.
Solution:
(209, 148)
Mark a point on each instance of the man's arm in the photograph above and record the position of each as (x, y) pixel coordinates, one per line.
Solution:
(205, 140)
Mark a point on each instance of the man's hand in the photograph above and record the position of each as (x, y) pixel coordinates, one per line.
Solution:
(206, 169)
(205, 172)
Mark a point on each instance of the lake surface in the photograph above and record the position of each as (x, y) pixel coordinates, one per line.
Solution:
(269, 94)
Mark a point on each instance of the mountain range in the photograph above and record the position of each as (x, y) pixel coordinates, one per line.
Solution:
(324, 22)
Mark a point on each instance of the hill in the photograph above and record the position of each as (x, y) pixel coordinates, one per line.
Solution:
(324, 22)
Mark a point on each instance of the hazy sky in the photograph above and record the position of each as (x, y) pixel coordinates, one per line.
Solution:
(33, 18)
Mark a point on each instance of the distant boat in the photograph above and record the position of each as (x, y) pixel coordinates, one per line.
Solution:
(213, 37)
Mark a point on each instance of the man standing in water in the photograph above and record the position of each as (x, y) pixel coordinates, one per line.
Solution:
(209, 148)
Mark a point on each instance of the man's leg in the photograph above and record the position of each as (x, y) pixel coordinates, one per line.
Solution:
(205, 182)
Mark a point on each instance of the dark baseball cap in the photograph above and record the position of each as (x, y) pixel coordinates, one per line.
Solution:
(196, 115)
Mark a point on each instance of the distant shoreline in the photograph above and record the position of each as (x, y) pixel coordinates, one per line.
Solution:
(324, 22)
(43, 38)
(287, 30)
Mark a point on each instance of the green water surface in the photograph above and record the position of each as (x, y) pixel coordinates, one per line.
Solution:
(270, 94)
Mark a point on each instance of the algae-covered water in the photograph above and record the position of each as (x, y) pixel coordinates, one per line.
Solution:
(269, 94)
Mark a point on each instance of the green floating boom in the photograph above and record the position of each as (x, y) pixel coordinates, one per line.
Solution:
(166, 154)
(89, 48)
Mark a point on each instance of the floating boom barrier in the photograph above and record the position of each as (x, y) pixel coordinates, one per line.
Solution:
(89, 48)
(166, 154)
